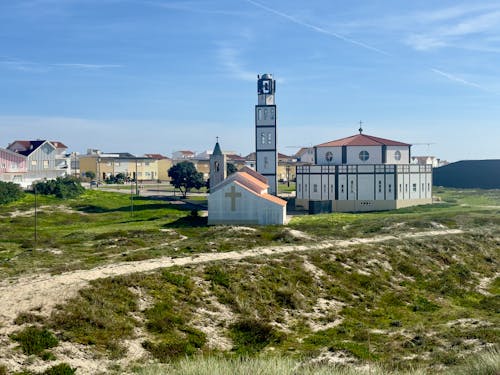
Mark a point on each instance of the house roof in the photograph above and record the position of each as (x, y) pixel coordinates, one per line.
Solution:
(10, 152)
(302, 151)
(267, 197)
(186, 152)
(235, 157)
(58, 144)
(156, 156)
(28, 146)
(362, 140)
(254, 174)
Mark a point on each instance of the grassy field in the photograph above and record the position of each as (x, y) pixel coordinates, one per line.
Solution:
(430, 304)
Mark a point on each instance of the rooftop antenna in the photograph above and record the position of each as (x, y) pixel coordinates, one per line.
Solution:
(360, 127)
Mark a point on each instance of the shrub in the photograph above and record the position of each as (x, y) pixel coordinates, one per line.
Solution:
(250, 335)
(10, 192)
(61, 187)
(34, 340)
(60, 369)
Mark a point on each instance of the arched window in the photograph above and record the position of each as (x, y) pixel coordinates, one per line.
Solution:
(397, 155)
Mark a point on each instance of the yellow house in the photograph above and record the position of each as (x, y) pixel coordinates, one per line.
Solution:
(163, 164)
(105, 165)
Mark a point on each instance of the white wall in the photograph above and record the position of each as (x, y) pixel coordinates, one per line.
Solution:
(321, 155)
(374, 151)
(405, 155)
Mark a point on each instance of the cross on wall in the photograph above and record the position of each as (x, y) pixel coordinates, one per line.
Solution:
(233, 195)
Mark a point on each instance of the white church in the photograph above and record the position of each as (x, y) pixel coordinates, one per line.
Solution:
(362, 173)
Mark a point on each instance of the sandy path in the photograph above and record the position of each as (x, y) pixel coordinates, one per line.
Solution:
(45, 291)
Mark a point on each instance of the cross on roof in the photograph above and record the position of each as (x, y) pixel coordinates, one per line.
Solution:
(360, 127)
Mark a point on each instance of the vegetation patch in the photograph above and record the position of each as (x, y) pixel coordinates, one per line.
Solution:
(34, 340)
(251, 336)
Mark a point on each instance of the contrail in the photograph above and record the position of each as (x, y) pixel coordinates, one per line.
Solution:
(317, 28)
(454, 78)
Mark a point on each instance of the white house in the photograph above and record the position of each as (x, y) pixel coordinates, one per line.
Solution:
(243, 198)
(362, 173)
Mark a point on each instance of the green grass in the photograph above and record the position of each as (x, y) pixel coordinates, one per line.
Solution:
(34, 340)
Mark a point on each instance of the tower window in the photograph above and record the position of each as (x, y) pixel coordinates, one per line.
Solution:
(406, 187)
(263, 138)
(269, 138)
(266, 162)
(265, 114)
(272, 113)
(259, 114)
(364, 155)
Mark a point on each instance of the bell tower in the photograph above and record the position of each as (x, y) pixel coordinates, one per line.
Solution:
(217, 166)
(266, 153)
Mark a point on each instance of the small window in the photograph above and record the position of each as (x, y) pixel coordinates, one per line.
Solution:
(33, 162)
(298, 188)
(263, 138)
(364, 155)
(352, 186)
(324, 188)
(414, 187)
(329, 156)
(428, 186)
(389, 188)
(45, 164)
(397, 155)
(315, 188)
(269, 138)
(259, 113)
(379, 186)
(331, 188)
(406, 187)
(423, 186)
(400, 188)
(305, 188)
(342, 188)
(146, 163)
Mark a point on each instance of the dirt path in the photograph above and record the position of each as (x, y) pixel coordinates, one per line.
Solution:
(45, 291)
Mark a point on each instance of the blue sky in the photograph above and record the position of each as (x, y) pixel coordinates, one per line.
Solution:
(148, 76)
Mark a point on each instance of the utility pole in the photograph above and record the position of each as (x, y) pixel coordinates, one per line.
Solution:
(36, 219)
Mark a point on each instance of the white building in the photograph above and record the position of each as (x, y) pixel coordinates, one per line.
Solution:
(362, 173)
(243, 198)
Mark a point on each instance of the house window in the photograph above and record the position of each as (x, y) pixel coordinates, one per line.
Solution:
(45, 164)
(33, 162)
(397, 155)
(364, 155)
(414, 187)
(379, 186)
(315, 188)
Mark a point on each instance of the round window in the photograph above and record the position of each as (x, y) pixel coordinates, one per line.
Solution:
(329, 156)
(364, 155)
(397, 155)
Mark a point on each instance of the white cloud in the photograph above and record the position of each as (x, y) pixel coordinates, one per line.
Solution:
(230, 60)
(35, 67)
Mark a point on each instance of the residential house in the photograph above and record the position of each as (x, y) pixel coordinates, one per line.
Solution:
(426, 160)
(183, 155)
(164, 164)
(45, 159)
(286, 166)
(13, 167)
(106, 165)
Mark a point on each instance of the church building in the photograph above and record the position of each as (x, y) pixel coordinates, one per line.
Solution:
(243, 198)
(362, 173)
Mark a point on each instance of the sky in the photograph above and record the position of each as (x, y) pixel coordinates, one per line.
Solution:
(156, 76)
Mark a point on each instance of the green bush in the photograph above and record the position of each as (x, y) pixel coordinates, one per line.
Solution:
(250, 335)
(10, 192)
(34, 340)
(60, 369)
(61, 187)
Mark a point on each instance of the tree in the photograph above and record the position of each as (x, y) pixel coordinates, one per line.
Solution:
(185, 177)
(231, 168)
(90, 175)
(10, 192)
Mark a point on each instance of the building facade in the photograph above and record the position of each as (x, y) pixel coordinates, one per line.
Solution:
(13, 167)
(362, 173)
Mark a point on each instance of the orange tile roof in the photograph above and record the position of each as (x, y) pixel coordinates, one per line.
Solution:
(268, 197)
(362, 140)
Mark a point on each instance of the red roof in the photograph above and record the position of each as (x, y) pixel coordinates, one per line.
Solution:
(58, 144)
(156, 156)
(362, 140)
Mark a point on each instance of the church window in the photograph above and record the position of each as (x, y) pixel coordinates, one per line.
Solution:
(423, 186)
(364, 155)
(389, 188)
(379, 186)
(298, 188)
(428, 186)
(324, 188)
(397, 155)
(259, 113)
(269, 138)
(331, 188)
(329, 156)
(400, 188)
(352, 186)
(305, 187)
(414, 187)
(263, 138)
(406, 187)
(342, 188)
(315, 188)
